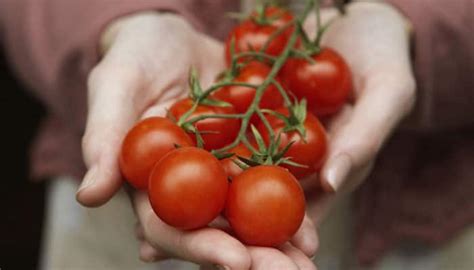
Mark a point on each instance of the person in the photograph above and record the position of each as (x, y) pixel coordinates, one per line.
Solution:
(127, 60)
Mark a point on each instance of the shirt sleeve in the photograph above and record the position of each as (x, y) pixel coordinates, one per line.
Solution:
(53, 44)
(443, 53)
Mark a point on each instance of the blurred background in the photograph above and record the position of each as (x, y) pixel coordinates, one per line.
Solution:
(21, 201)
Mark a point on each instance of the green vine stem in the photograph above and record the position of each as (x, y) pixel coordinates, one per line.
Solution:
(278, 63)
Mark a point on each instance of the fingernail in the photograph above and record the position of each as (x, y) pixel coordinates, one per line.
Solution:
(220, 267)
(338, 170)
(89, 179)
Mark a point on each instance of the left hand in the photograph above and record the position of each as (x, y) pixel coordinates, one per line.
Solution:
(374, 39)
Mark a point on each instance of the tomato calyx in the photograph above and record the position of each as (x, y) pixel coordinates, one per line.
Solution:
(264, 14)
(295, 119)
(311, 48)
(201, 97)
(198, 97)
(264, 154)
(261, 16)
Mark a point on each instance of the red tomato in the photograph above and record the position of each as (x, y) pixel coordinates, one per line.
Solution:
(326, 84)
(252, 36)
(230, 167)
(220, 131)
(241, 97)
(310, 152)
(188, 188)
(265, 206)
(145, 144)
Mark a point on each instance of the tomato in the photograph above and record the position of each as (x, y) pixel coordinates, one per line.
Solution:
(230, 167)
(309, 151)
(145, 144)
(241, 97)
(250, 35)
(326, 84)
(265, 206)
(188, 188)
(217, 132)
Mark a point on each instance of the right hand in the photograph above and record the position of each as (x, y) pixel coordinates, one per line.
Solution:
(144, 69)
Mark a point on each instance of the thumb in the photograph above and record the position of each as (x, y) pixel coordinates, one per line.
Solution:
(111, 113)
(384, 101)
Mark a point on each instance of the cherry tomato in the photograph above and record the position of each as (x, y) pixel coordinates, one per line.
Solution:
(145, 144)
(230, 167)
(188, 188)
(217, 132)
(326, 84)
(309, 151)
(250, 35)
(241, 97)
(265, 206)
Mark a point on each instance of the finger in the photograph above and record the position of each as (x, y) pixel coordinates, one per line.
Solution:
(264, 258)
(306, 238)
(111, 112)
(214, 63)
(139, 232)
(203, 246)
(150, 254)
(299, 258)
(384, 101)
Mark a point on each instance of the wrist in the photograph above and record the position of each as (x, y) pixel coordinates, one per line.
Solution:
(405, 20)
(114, 28)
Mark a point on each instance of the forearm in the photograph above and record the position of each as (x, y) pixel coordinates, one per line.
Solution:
(53, 44)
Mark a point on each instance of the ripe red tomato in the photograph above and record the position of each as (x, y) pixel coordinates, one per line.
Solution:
(265, 206)
(188, 188)
(252, 36)
(241, 97)
(309, 151)
(228, 164)
(145, 144)
(217, 132)
(326, 84)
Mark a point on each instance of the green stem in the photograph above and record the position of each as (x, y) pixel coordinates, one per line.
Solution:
(280, 61)
(283, 93)
(259, 90)
(267, 125)
(246, 142)
(185, 116)
(317, 8)
(220, 116)
(260, 54)
(276, 34)
(219, 85)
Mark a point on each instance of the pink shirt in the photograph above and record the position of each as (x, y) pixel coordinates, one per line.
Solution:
(423, 183)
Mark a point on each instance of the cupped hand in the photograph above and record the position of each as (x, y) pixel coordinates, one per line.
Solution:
(374, 39)
(214, 247)
(146, 63)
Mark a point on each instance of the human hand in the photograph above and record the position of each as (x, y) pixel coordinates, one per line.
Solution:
(214, 246)
(145, 68)
(374, 40)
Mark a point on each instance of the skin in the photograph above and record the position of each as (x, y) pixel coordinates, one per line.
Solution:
(384, 94)
(133, 81)
(120, 93)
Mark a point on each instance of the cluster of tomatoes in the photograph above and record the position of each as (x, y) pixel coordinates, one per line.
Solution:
(181, 162)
